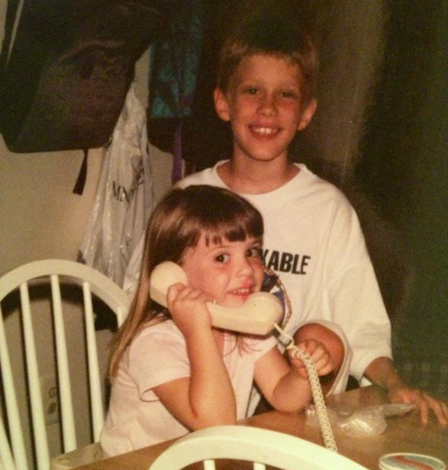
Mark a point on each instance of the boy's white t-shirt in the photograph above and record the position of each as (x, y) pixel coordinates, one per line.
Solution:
(158, 355)
(314, 242)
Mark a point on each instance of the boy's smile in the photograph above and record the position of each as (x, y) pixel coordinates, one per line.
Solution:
(264, 106)
(228, 272)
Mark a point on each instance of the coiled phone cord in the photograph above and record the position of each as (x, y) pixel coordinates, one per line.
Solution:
(313, 376)
(316, 391)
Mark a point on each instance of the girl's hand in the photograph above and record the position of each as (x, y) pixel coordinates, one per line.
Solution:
(318, 353)
(188, 308)
(424, 401)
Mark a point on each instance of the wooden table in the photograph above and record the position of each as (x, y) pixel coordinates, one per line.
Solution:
(403, 434)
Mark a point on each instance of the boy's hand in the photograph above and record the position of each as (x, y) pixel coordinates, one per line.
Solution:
(424, 401)
(318, 353)
(188, 308)
(381, 371)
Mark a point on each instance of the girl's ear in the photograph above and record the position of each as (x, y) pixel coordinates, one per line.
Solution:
(221, 104)
(307, 115)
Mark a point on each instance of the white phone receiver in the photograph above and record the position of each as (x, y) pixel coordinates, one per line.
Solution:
(257, 316)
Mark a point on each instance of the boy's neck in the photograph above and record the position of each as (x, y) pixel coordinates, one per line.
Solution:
(255, 177)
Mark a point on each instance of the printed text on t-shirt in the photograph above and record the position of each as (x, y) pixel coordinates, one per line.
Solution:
(285, 262)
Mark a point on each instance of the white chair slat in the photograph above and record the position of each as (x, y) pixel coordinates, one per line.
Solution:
(37, 413)
(6, 458)
(65, 391)
(121, 315)
(259, 466)
(94, 371)
(12, 411)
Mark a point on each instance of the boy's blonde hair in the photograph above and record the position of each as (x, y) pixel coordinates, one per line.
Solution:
(177, 224)
(273, 32)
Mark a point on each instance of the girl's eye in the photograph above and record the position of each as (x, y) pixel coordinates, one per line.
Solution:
(254, 252)
(222, 258)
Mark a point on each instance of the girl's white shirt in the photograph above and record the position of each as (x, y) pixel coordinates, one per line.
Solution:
(156, 356)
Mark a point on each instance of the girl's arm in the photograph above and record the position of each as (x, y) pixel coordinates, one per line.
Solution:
(206, 398)
(286, 385)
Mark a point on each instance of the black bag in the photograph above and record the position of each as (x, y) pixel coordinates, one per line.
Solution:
(65, 70)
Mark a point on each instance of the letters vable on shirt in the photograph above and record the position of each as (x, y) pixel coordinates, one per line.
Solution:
(286, 262)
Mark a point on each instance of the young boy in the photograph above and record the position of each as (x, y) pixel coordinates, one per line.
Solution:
(312, 235)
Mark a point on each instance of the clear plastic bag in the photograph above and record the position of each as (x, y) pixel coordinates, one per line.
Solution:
(368, 421)
(359, 422)
(124, 199)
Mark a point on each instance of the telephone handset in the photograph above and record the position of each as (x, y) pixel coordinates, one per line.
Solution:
(257, 316)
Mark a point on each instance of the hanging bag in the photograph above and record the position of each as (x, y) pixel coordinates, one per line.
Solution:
(124, 198)
(66, 66)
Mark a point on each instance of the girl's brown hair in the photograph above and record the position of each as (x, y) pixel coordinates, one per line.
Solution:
(177, 223)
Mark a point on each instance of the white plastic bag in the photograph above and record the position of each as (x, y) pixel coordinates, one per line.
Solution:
(360, 422)
(124, 199)
(364, 422)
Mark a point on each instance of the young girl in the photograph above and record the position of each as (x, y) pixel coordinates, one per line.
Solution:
(171, 371)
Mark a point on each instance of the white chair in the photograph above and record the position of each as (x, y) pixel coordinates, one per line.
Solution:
(259, 446)
(58, 274)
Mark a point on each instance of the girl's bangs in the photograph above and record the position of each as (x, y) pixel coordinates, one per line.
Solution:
(234, 230)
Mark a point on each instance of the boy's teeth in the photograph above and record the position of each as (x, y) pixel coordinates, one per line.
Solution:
(264, 130)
